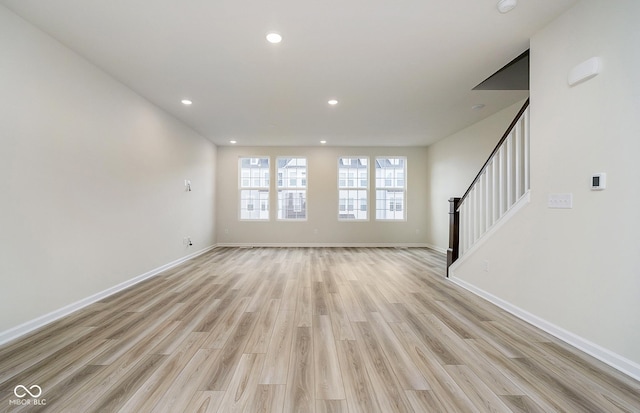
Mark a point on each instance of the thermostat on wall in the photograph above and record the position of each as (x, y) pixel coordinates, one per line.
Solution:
(598, 181)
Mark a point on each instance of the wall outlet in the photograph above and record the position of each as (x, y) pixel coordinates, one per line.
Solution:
(226, 230)
(485, 266)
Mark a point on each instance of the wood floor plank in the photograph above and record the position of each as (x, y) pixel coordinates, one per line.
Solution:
(358, 389)
(225, 325)
(320, 298)
(41, 369)
(601, 393)
(268, 398)
(230, 354)
(119, 394)
(430, 337)
(406, 371)
(351, 306)
(445, 389)
(304, 307)
(144, 334)
(434, 307)
(276, 366)
(424, 401)
(277, 288)
(388, 392)
(331, 406)
(300, 387)
(382, 306)
(259, 340)
(244, 383)
(329, 279)
(205, 402)
(342, 329)
(156, 385)
(521, 404)
(19, 360)
(480, 394)
(584, 366)
(183, 387)
(172, 341)
(328, 377)
(564, 393)
(509, 369)
(538, 387)
(493, 377)
(289, 296)
(305, 330)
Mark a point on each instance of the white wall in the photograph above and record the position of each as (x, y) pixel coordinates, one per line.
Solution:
(91, 179)
(578, 269)
(322, 202)
(454, 162)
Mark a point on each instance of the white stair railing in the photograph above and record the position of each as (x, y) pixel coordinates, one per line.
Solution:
(501, 183)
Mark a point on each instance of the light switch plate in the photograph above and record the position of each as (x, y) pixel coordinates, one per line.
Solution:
(560, 201)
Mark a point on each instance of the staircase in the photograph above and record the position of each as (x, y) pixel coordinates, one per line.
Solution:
(502, 182)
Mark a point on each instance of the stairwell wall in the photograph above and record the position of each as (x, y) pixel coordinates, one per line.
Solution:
(454, 162)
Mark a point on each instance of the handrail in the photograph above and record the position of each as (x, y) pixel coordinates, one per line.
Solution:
(495, 150)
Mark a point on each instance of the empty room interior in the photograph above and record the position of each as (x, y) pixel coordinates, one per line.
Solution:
(290, 206)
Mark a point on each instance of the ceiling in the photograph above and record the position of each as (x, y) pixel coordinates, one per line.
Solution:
(403, 71)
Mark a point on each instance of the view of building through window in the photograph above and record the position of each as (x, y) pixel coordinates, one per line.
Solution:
(390, 188)
(254, 188)
(353, 188)
(292, 188)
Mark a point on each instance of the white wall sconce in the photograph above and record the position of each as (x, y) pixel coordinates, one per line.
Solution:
(505, 6)
(584, 71)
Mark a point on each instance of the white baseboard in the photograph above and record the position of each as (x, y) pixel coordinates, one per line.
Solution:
(321, 245)
(437, 249)
(616, 361)
(22, 329)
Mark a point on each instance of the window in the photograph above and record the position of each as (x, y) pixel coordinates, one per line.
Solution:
(353, 187)
(292, 188)
(390, 188)
(254, 188)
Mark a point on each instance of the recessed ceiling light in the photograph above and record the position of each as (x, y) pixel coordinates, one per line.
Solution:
(186, 102)
(478, 106)
(274, 37)
(323, 142)
(233, 142)
(505, 6)
(333, 102)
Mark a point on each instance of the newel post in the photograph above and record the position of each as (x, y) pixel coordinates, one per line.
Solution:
(454, 232)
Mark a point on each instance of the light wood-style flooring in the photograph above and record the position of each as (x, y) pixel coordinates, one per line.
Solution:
(305, 330)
